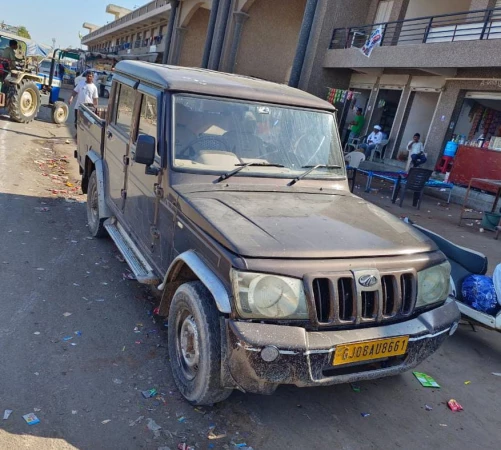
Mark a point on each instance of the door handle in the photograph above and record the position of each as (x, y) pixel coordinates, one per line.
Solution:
(110, 134)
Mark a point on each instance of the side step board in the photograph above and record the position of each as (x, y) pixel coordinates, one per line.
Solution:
(139, 266)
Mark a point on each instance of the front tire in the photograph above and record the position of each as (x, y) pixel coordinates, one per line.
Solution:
(60, 112)
(24, 101)
(195, 345)
(96, 225)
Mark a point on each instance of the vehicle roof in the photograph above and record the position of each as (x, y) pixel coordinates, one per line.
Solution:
(203, 81)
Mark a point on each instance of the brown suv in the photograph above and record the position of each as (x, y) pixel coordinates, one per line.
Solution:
(231, 195)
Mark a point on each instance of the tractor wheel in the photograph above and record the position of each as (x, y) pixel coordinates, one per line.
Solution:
(24, 101)
(60, 112)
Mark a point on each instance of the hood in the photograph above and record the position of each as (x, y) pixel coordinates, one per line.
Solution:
(299, 225)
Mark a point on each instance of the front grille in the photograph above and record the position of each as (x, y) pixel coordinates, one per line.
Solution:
(341, 300)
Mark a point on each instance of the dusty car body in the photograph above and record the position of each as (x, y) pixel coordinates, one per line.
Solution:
(230, 194)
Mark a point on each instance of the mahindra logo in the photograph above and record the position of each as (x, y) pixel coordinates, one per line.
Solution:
(367, 280)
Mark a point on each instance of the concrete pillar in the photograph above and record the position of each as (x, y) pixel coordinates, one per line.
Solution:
(210, 33)
(239, 19)
(302, 43)
(170, 28)
(398, 121)
(219, 33)
(371, 104)
(313, 44)
(178, 39)
(444, 121)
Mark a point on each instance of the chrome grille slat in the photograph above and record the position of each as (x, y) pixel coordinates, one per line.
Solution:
(338, 300)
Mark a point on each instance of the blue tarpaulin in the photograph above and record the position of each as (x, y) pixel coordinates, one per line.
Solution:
(35, 49)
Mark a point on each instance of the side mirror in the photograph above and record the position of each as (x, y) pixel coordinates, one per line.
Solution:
(145, 150)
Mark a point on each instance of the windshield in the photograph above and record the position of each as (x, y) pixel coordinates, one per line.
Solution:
(213, 135)
(21, 46)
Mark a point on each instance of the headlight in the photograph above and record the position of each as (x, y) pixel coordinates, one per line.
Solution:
(262, 296)
(433, 284)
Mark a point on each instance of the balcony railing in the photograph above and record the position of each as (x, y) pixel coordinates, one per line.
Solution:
(464, 26)
(149, 7)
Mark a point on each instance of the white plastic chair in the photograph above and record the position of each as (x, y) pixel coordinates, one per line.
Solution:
(379, 149)
(351, 143)
(354, 159)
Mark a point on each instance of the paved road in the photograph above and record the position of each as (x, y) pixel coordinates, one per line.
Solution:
(57, 283)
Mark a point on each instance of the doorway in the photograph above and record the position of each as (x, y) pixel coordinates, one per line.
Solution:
(360, 100)
(419, 114)
(385, 110)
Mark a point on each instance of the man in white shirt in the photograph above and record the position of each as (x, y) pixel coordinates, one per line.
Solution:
(373, 139)
(416, 150)
(86, 93)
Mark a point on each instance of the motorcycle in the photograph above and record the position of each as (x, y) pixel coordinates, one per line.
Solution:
(464, 262)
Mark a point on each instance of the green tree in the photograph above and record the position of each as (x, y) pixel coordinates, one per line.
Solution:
(23, 32)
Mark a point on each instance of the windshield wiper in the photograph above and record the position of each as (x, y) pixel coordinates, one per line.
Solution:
(227, 175)
(310, 169)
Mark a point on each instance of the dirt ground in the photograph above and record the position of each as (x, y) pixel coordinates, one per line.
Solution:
(78, 342)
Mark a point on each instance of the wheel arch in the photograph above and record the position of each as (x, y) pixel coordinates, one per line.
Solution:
(94, 163)
(188, 266)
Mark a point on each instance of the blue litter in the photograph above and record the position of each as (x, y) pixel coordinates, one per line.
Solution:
(365, 414)
(479, 293)
(67, 338)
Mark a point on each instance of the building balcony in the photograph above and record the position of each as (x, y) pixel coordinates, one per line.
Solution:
(152, 13)
(465, 39)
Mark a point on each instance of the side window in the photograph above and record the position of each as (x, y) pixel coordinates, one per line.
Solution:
(124, 108)
(148, 117)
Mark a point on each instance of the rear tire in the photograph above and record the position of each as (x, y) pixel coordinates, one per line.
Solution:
(24, 101)
(195, 345)
(96, 225)
(60, 112)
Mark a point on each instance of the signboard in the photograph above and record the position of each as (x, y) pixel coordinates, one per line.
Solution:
(374, 40)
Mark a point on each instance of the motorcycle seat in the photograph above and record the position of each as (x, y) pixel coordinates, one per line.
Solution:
(472, 261)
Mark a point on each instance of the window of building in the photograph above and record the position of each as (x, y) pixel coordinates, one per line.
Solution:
(124, 108)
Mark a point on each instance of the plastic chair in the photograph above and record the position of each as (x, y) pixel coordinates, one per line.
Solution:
(415, 182)
(379, 149)
(354, 159)
(351, 143)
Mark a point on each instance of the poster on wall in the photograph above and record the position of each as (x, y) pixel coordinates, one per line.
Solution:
(374, 40)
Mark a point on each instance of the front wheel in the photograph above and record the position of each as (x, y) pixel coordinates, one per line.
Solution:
(96, 225)
(60, 112)
(195, 345)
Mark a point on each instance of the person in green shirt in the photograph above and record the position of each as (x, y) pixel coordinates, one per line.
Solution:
(10, 54)
(356, 125)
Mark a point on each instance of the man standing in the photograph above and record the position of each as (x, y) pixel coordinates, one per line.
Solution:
(416, 150)
(10, 54)
(373, 139)
(86, 93)
(356, 125)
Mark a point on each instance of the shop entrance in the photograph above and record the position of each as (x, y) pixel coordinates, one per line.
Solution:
(360, 100)
(479, 120)
(420, 111)
(385, 110)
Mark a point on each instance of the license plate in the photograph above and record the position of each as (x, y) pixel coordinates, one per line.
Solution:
(368, 350)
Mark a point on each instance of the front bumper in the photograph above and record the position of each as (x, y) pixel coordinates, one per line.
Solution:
(305, 358)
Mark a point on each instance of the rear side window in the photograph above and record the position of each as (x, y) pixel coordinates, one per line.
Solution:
(124, 109)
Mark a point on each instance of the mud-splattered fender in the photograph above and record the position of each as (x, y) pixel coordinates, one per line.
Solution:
(104, 210)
